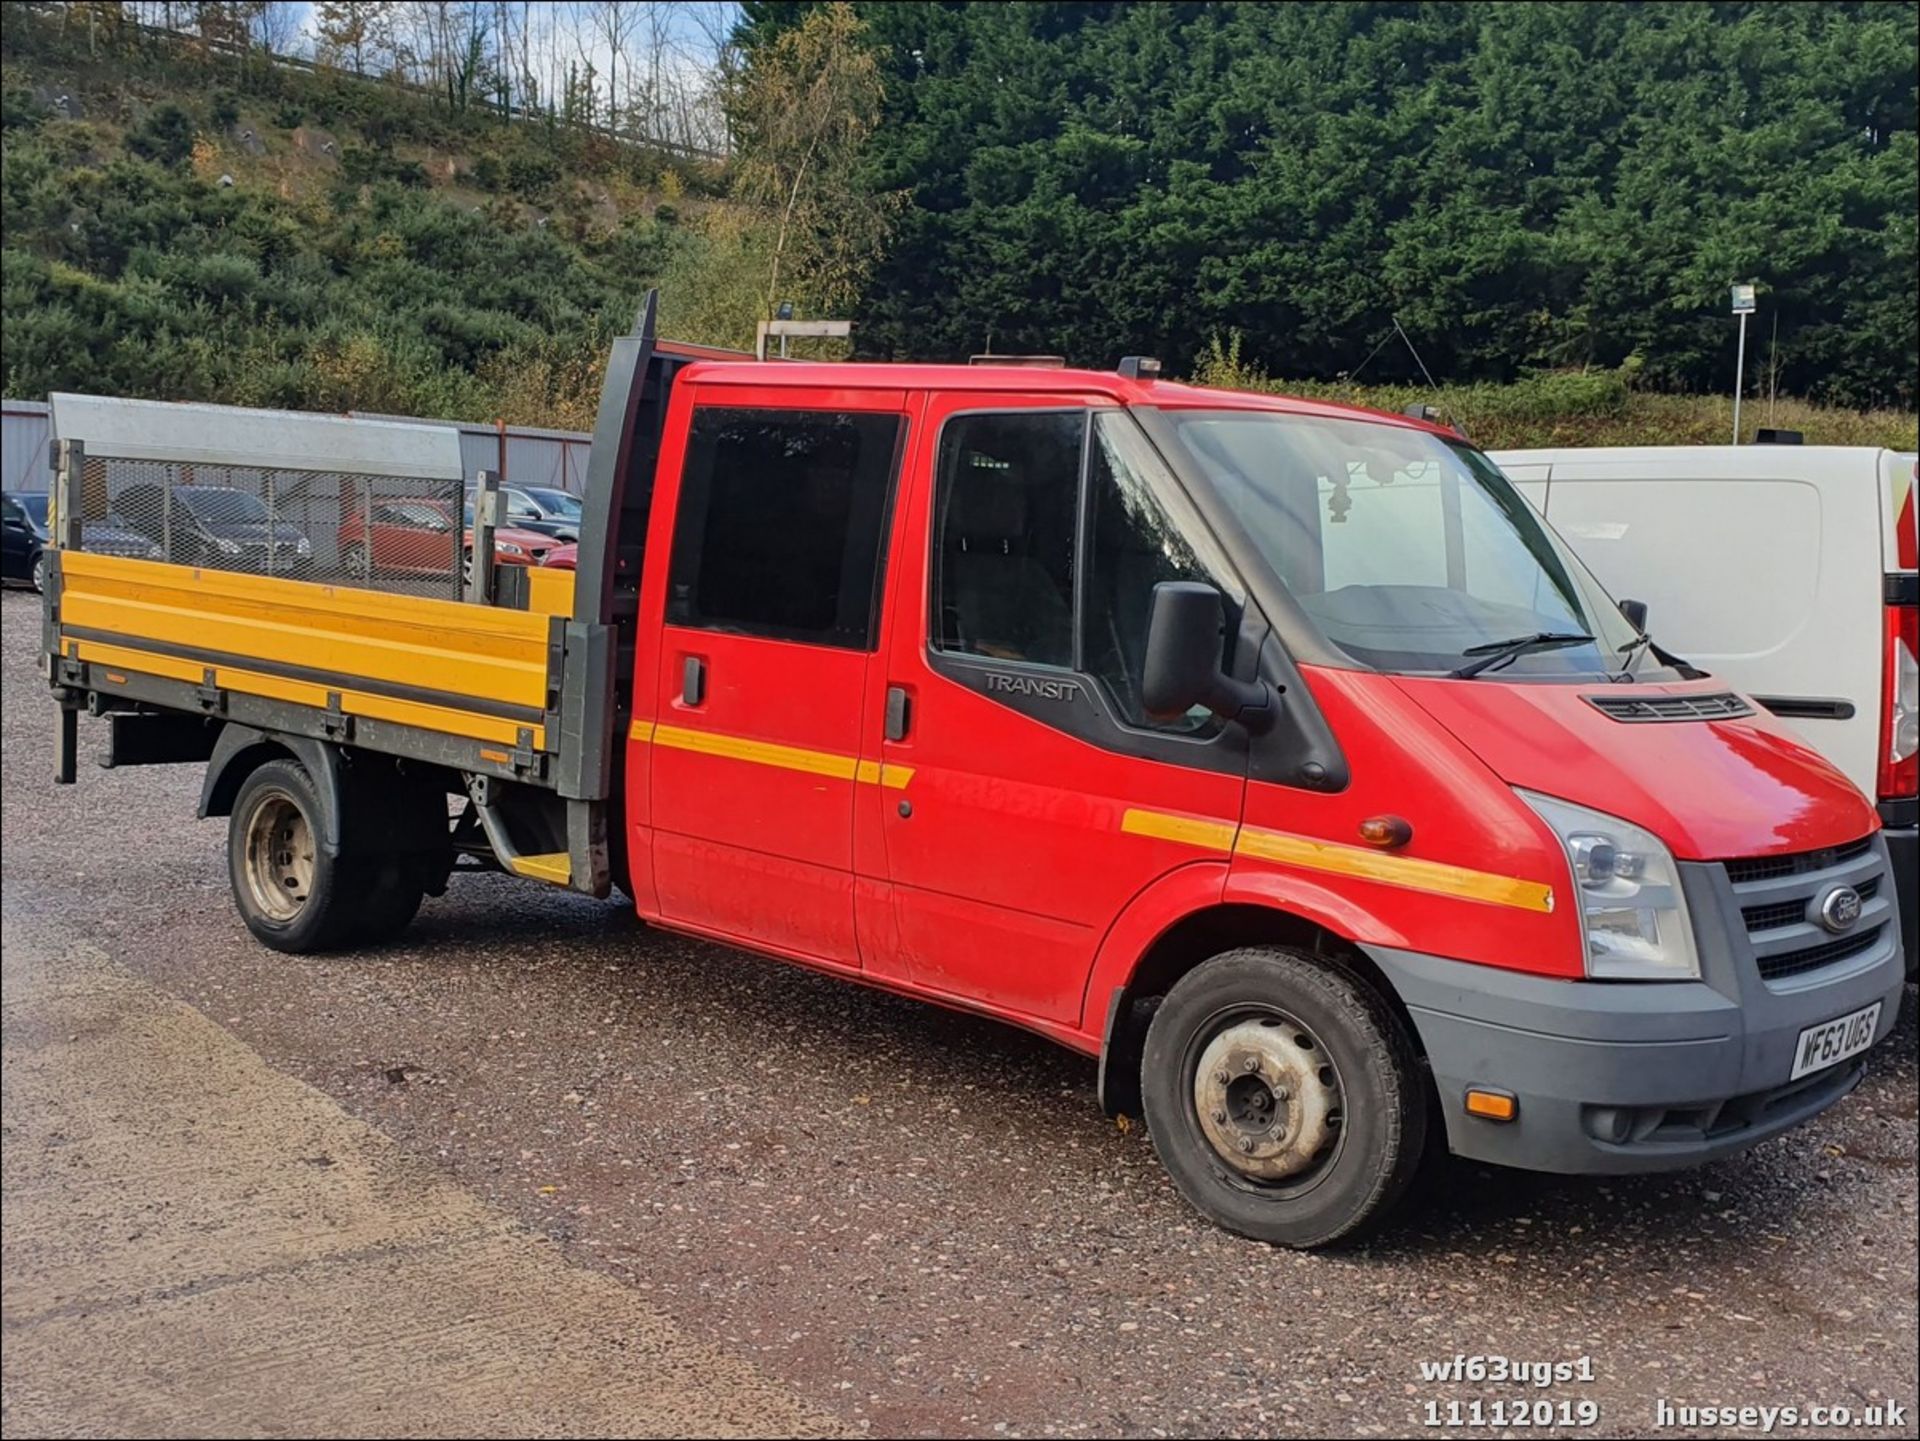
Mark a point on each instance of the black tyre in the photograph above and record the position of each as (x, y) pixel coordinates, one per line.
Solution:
(1283, 1097)
(391, 889)
(291, 893)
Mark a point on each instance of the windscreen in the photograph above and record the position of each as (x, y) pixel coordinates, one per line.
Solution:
(559, 502)
(1410, 552)
(224, 507)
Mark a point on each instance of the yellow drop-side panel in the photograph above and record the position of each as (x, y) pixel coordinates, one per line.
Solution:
(549, 591)
(178, 621)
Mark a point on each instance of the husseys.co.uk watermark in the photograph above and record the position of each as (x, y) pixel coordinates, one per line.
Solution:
(1681, 1416)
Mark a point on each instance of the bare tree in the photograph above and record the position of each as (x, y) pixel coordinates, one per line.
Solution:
(803, 107)
(276, 26)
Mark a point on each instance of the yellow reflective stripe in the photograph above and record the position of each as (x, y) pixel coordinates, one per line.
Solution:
(885, 774)
(1214, 835)
(1312, 855)
(770, 753)
(1407, 871)
(766, 753)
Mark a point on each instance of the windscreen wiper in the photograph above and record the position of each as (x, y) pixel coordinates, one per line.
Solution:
(1499, 652)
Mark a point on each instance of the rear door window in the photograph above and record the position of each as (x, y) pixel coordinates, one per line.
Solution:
(781, 521)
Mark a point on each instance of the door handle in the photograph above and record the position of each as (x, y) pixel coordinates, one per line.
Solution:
(899, 712)
(693, 681)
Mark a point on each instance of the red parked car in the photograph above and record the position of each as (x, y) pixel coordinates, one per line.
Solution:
(563, 557)
(414, 534)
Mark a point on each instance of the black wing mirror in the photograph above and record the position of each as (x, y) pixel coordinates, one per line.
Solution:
(1636, 613)
(1183, 660)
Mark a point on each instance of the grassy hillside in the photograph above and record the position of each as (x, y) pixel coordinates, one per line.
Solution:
(192, 232)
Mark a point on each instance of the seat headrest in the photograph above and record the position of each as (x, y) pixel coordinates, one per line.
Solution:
(987, 507)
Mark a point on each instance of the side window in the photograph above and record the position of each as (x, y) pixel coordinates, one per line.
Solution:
(781, 524)
(1009, 490)
(519, 507)
(1133, 545)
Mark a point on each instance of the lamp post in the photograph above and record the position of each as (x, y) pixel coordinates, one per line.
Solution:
(1742, 307)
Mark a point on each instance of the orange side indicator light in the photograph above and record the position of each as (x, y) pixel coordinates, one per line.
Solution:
(1388, 832)
(1491, 1105)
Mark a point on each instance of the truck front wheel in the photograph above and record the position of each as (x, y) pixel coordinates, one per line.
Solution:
(290, 892)
(1283, 1096)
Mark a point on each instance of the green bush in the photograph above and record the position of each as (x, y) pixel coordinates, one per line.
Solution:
(531, 173)
(225, 109)
(19, 110)
(165, 136)
(289, 116)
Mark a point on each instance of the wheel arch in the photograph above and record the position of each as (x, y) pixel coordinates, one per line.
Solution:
(241, 750)
(1128, 997)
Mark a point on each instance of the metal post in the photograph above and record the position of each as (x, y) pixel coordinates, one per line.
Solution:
(486, 507)
(1739, 376)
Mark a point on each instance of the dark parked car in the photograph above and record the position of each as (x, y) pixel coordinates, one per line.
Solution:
(23, 529)
(542, 508)
(111, 536)
(216, 526)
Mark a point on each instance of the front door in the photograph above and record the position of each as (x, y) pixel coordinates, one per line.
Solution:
(1039, 798)
(772, 618)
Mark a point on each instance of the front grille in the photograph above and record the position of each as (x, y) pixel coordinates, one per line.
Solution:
(1777, 893)
(1798, 963)
(1724, 705)
(1767, 867)
(1789, 913)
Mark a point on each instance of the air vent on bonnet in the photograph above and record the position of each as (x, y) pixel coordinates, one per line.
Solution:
(1724, 706)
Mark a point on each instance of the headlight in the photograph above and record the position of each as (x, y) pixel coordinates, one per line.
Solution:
(303, 546)
(228, 547)
(1633, 916)
(505, 547)
(155, 553)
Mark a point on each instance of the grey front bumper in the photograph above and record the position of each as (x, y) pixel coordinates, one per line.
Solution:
(1621, 1077)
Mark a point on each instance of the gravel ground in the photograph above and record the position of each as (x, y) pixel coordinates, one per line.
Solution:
(920, 1221)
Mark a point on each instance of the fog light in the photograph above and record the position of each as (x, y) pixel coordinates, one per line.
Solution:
(1491, 1105)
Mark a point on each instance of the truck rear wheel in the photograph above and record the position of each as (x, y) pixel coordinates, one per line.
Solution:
(1283, 1097)
(288, 889)
(391, 897)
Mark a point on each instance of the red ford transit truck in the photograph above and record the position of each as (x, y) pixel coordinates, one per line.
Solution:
(1275, 754)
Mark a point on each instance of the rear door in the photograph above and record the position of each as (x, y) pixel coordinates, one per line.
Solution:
(771, 622)
(1023, 797)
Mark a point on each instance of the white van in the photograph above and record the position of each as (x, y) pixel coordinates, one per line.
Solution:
(1788, 570)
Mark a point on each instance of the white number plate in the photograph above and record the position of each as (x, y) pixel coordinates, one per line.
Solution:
(1832, 1041)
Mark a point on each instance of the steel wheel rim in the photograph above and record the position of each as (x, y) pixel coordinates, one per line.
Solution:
(1287, 1146)
(280, 856)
